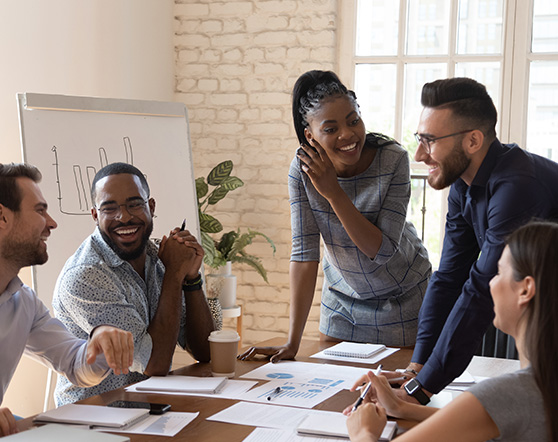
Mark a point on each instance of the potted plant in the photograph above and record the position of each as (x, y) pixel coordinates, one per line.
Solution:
(230, 247)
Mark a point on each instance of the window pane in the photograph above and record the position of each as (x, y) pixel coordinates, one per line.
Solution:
(375, 90)
(479, 29)
(415, 77)
(377, 27)
(542, 121)
(487, 73)
(545, 26)
(428, 27)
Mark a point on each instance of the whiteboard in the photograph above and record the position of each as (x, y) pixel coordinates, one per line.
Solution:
(70, 138)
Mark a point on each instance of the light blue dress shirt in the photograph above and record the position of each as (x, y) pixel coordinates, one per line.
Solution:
(26, 326)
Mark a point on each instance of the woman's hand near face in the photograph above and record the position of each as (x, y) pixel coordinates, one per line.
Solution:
(319, 168)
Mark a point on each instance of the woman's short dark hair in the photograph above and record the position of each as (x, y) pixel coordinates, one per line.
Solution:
(308, 92)
(534, 252)
(467, 99)
(116, 169)
(10, 193)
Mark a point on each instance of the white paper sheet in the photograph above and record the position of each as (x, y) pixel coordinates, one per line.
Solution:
(332, 376)
(168, 424)
(292, 394)
(275, 435)
(374, 359)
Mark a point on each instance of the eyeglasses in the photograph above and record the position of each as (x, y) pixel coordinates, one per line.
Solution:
(427, 141)
(113, 210)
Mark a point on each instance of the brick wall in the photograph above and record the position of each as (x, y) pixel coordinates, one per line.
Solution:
(236, 63)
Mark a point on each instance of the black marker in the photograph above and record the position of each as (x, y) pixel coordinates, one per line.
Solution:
(183, 225)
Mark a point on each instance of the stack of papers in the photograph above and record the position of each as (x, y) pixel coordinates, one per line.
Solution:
(57, 433)
(184, 384)
(94, 415)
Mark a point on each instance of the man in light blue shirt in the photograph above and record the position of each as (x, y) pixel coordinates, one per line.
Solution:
(25, 322)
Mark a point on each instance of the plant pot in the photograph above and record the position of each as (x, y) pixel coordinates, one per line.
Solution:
(222, 285)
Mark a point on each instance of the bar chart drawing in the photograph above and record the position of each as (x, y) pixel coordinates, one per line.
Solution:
(74, 188)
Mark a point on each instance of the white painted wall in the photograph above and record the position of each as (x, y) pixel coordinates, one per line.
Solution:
(105, 48)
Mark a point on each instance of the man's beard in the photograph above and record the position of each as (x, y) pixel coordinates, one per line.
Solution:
(452, 168)
(133, 254)
(24, 253)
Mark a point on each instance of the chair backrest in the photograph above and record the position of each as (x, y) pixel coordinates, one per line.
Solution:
(497, 344)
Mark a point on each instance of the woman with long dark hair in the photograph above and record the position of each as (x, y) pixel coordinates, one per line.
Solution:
(350, 190)
(519, 406)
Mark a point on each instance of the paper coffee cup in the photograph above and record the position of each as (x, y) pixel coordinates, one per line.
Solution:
(223, 346)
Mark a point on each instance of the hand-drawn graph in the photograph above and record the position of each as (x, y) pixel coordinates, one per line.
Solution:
(75, 199)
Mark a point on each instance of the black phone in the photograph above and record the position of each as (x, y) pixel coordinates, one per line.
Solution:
(152, 407)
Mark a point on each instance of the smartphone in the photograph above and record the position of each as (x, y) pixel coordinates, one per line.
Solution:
(153, 408)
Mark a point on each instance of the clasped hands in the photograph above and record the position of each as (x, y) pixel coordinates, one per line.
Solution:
(181, 253)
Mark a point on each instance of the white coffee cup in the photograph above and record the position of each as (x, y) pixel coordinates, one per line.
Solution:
(223, 345)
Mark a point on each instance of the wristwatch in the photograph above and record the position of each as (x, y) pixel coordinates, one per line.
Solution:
(413, 388)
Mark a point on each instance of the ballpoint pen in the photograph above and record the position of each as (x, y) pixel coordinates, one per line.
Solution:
(274, 393)
(366, 390)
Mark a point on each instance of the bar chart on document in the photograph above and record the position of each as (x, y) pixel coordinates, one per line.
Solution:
(281, 392)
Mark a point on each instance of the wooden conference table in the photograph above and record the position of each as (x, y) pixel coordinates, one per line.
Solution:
(203, 430)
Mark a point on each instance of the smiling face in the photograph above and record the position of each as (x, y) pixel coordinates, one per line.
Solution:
(337, 127)
(505, 291)
(126, 234)
(25, 243)
(447, 160)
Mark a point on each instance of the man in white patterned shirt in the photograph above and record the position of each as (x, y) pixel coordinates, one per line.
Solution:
(25, 322)
(118, 276)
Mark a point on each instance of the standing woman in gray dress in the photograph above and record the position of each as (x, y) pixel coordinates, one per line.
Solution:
(351, 190)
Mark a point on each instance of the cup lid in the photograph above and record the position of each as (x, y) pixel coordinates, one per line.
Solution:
(224, 336)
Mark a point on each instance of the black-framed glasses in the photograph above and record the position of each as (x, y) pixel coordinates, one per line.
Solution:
(113, 210)
(427, 141)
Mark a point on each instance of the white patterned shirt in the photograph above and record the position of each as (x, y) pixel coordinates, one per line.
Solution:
(97, 287)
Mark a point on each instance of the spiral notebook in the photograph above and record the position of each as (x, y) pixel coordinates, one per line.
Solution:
(354, 350)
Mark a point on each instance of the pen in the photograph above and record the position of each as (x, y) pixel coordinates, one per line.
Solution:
(274, 393)
(183, 225)
(366, 390)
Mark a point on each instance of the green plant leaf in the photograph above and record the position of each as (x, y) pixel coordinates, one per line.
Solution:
(209, 249)
(217, 195)
(226, 243)
(201, 188)
(232, 183)
(253, 262)
(209, 224)
(220, 172)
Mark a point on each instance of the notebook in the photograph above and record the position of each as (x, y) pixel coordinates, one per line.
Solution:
(93, 415)
(186, 384)
(335, 425)
(58, 433)
(354, 350)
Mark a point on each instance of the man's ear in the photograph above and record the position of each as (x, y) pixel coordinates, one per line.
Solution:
(151, 203)
(95, 215)
(5, 216)
(529, 291)
(474, 141)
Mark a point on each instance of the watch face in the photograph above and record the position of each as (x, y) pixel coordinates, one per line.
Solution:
(412, 386)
